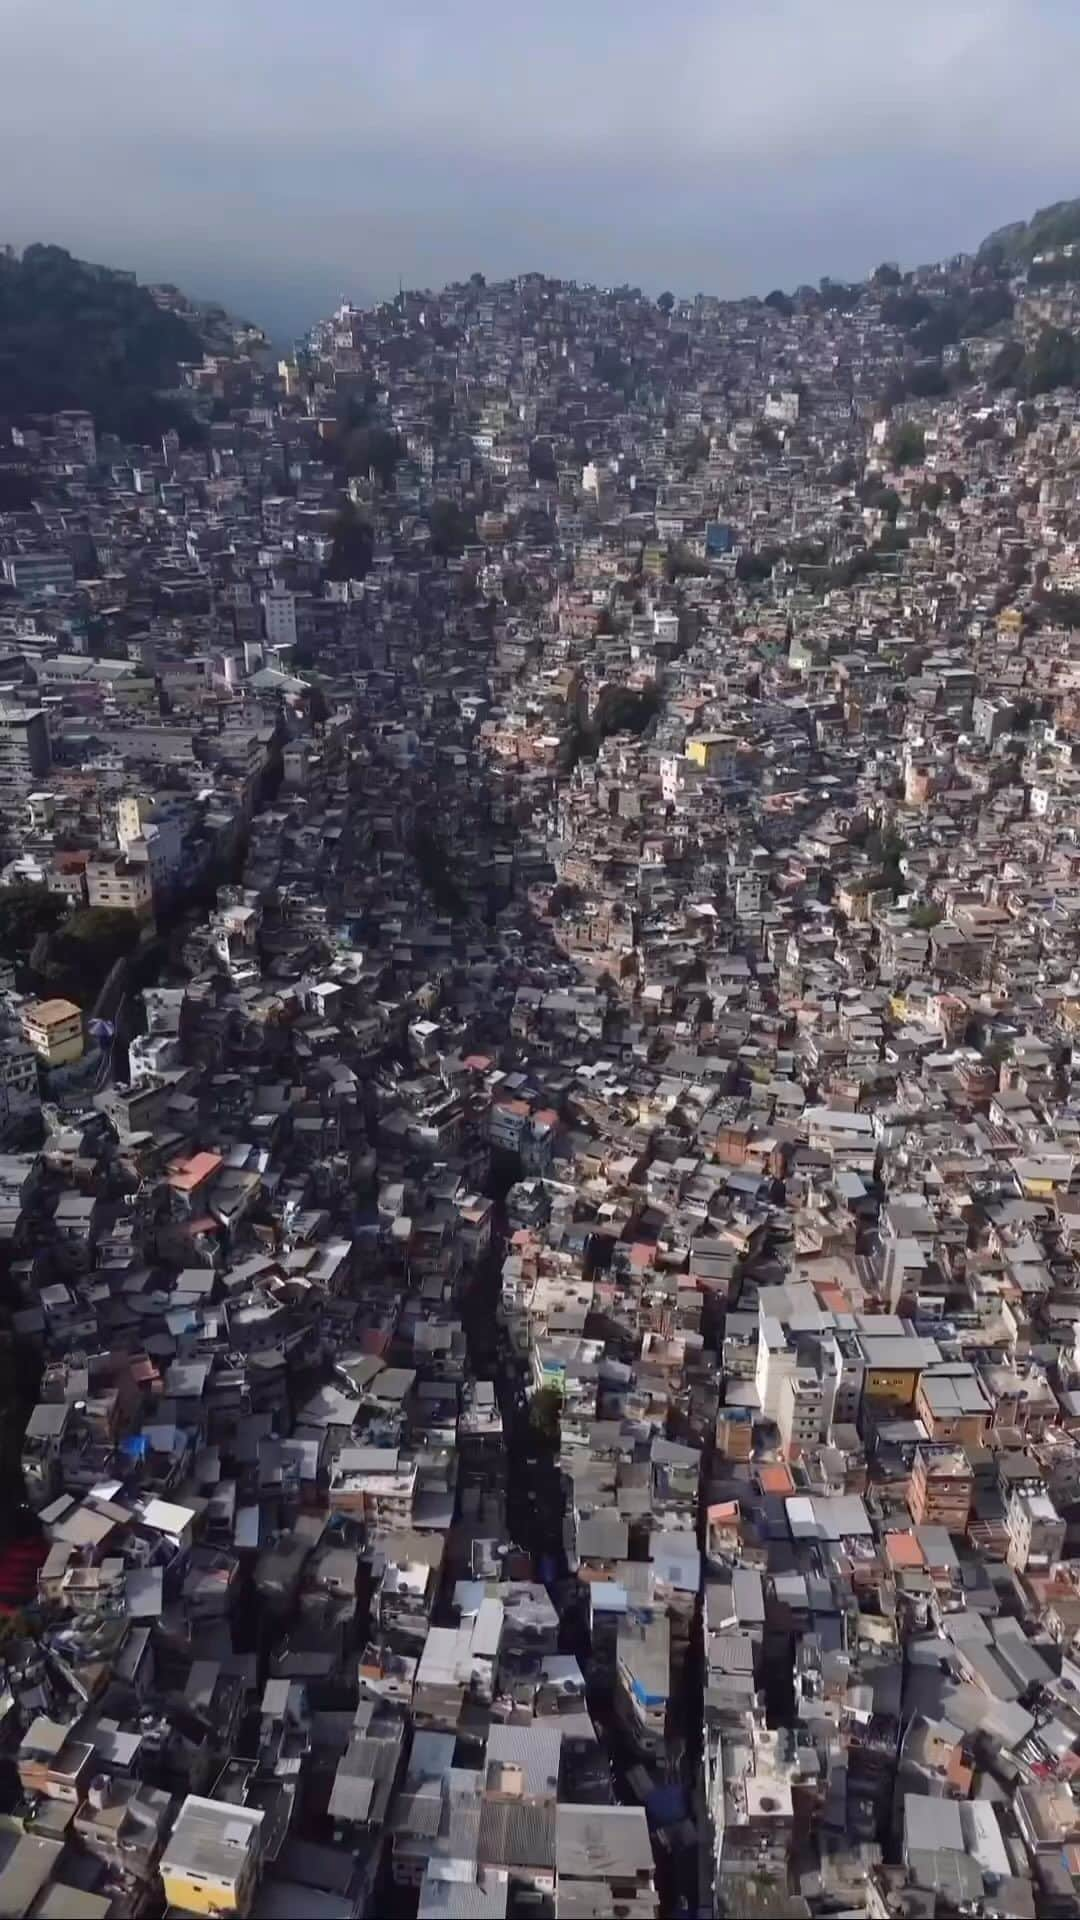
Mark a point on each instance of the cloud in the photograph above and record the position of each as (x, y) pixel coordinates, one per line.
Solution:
(283, 149)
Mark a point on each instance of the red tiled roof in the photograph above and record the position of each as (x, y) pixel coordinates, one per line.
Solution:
(776, 1479)
(903, 1550)
(186, 1175)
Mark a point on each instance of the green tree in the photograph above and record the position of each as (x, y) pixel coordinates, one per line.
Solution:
(941, 328)
(907, 445)
(1060, 606)
(610, 367)
(780, 302)
(625, 710)
(1025, 714)
(987, 307)
(76, 335)
(838, 296)
(666, 302)
(433, 866)
(16, 491)
(20, 1377)
(887, 275)
(75, 961)
(1050, 228)
(751, 567)
(885, 499)
(889, 846)
(451, 527)
(906, 310)
(317, 706)
(1054, 361)
(542, 461)
(886, 849)
(992, 254)
(26, 912)
(849, 571)
(353, 546)
(102, 935)
(563, 898)
(924, 917)
(929, 497)
(1051, 273)
(681, 561)
(927, 380)
(960, 372)
(545, 1417)
(1006, 365)
(371, 450)
(618, 710)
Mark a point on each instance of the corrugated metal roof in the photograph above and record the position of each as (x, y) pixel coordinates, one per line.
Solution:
(602, 1536)
(535, 1749)
(514, 1833)
(462, 1899)
(595, 1842)
(931, 1825)
(417, 1814)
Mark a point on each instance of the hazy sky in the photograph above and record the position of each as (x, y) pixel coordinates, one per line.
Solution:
(277, 156)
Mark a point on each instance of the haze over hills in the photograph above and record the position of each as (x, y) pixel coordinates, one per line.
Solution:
(540, 1097)
(75, 334)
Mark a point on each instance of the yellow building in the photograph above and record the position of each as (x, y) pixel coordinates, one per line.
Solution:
(893, 1364)
(133, 812)
(210, 1863)
(1042, 1175)
(854, 903)
(54, 1028)
(894, 1386)
(712, 752)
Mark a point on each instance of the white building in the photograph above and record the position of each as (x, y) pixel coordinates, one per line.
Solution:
(801, 1409)
(279, 617)
(776, 1363)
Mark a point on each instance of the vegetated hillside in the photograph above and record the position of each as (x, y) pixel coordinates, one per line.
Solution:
(1054, 226)
(76, 335)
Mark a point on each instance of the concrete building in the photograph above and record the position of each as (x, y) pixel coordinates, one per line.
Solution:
(54, 1029)
(1036, 1532)
(941, 1488)
(210, 1862)
(24, 746)
(121, 884)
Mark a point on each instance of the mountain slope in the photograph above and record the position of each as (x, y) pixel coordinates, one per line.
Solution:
(1050, 227)
(76, 335)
